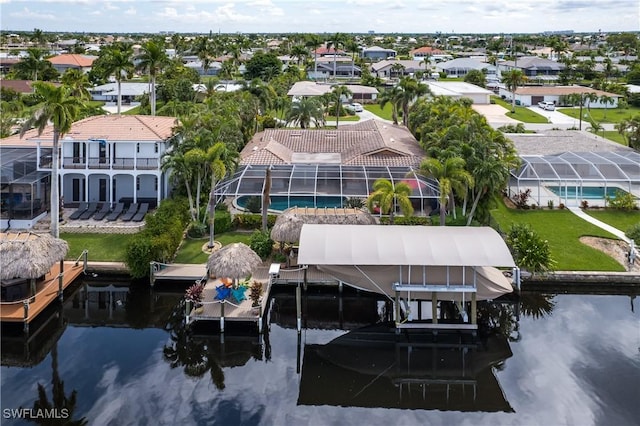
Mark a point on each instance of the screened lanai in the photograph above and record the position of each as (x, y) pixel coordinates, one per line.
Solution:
(24, 189)
(573, 177)
(321, 185)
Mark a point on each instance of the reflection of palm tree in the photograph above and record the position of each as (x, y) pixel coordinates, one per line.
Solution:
(536, 305)
(60, 404)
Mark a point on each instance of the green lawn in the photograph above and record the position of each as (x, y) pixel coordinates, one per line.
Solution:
(101, 247)
(382, 113)
(522, 113)
(562, 229)
(332, 118)
(619, 219)
(191, 250)
(614, 136)
(601, 115)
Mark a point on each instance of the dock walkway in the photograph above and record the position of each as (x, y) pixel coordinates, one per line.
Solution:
(177, 272)
(47, 290)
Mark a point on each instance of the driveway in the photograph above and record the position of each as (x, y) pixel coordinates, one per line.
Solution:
(495, 114)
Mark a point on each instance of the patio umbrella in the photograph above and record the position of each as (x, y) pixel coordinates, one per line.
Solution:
(235, 260)
(29, 255)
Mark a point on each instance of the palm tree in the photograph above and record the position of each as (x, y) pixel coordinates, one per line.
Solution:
(219, 159)
(629, 128)
(450, 174)
(119, 62)
(305, 111)
(512, 80)
(299, 52)
(396, 69)
(338, 92)
(336, 42)
(353, 47)
(314, 41)
(606, 100)
(387, 196)
(29, 66)
(152, 58)
(411, 90)
(78, 82)
(391, 96)
(61, 108)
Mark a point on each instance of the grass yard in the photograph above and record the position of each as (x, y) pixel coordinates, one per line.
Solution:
(384, 113)
(332, 118)
(562, 229)
(101, 247)
(191, 250)
(619, 219)
(601, 115)
(614, 136)
(522, 113)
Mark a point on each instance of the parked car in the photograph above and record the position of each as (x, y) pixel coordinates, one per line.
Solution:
(357, 107)
(547, 105)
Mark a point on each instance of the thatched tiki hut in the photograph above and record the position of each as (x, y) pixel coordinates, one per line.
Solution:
(28, 256)
(235, 261)
(289, 224)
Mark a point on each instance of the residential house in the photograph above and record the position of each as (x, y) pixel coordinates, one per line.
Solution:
(72, 61)
(325, 70)
(394, 68)
(128, 91)
(458, 90)
(21, 86)
(434, 54)
(108, 158)
(376, 53)
(534, 68)
(461, 66)
(362, 94)
(531, 95)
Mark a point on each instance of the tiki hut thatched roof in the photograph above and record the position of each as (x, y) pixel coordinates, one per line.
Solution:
(29, 255)
(289, 224)
(235, 260)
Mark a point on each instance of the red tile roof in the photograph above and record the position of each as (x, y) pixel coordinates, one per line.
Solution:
(426, 50)
(75, 60)
(134, 128)
(20, 86)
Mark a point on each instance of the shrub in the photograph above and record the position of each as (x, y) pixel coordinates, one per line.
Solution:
(194, 293)
(550, 204)
(252, 221)
(561, 206)
(521, 199)
(222, 222)
(196, 229)
(354, 203)
(407, 220)
(634, 232)
(510, 128)
(530, 252)
(584, 204)
(262, 243)
(622, 200)
(254, 204)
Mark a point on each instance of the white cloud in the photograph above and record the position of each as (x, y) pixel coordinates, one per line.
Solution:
(27, 13)
(131, 11)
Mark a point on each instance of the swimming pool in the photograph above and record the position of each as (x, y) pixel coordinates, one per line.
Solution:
(586, 192)
(281, 203)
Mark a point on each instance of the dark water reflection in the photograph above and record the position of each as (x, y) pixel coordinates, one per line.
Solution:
(114, 355)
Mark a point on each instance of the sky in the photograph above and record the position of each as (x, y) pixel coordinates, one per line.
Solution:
(327, 16)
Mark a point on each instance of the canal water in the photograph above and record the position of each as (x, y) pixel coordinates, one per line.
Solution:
(114, 354)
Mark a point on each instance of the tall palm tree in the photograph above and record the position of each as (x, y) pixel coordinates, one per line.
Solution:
(391, 96)
(338, 92)
(512, 80)
(61, 108)
(119, 63)
(387, 196)
(78, 82)
(152, 58)
(606, 100)
(411, 90)
(353, 47)
(450, 174)
(336, 42)
(313, 42)
(396, 69)
(30, 65)
(220, 160)
(306, 111)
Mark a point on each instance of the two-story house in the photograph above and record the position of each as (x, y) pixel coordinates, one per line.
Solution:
(109, 158)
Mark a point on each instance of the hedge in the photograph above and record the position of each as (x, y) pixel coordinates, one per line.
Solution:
(407, 220)
(252, 221)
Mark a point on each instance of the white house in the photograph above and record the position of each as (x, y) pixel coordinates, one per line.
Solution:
(559, 95)
(458, 90)
(107, 158)
(109, 92)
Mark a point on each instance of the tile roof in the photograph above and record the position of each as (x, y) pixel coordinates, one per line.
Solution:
(110, 127)
(426, 50)
(20, 86)
(368, 143)
(73, 59)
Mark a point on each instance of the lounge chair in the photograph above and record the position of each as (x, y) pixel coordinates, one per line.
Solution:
(131, 211)
(144, 208)
(117, 211)
(103, 212)
(93, 207)
(81, 209)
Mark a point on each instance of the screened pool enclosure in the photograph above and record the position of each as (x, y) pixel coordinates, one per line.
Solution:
(316, 185)
(573, 177)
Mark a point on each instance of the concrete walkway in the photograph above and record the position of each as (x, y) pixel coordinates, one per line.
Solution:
(618, 233)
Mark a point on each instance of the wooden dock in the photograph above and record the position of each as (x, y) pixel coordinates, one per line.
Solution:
(177, 272)
(229, 309)
(48, 289)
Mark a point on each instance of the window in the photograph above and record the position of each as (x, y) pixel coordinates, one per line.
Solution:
(138, 183)
(138, 148)
(156, 148)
